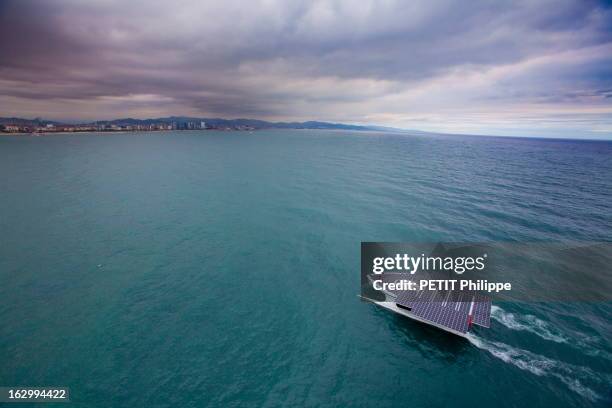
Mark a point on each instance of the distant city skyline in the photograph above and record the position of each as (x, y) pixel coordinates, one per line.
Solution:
(525, 68)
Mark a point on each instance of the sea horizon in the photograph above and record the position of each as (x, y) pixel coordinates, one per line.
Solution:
(391, 131)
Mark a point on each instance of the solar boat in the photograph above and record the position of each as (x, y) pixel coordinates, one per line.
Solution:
(452, 311)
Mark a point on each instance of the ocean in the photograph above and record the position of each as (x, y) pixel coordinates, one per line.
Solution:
(210, 268)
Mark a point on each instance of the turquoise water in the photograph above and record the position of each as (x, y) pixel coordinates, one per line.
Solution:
(210, 268)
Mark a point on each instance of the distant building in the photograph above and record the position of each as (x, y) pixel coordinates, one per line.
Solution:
(11, 128)
(202, 125)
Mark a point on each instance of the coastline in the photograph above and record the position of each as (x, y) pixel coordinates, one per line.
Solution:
(118, 131)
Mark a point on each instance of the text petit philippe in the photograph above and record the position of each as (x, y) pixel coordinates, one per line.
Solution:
(404, 263)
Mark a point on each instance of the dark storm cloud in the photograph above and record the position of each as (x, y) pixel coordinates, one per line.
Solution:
(344, 60)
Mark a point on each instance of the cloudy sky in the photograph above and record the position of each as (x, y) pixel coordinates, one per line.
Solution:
(541, 68)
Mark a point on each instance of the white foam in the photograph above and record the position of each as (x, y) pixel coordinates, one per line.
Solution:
(572, 376)
(542, 329)
(528, 323)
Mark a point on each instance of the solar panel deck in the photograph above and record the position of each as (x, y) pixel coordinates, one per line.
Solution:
(482, 310)
(448, 309)
(437, 308)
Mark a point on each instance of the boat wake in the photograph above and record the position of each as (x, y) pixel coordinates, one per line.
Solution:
(546, 331)
(528, 323)
(574, 377)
